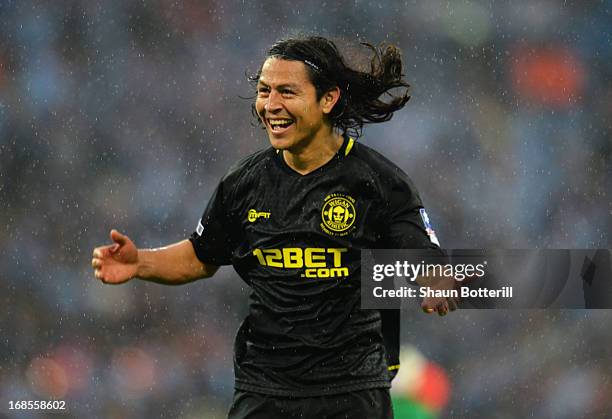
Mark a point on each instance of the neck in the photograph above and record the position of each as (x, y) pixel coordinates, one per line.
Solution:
(315, 154)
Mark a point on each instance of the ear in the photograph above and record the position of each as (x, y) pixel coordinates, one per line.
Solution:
(329, 99)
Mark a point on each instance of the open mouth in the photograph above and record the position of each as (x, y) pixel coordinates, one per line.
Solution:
(279, 125)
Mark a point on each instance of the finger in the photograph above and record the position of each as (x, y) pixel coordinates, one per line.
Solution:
(428, 310)
(96, 263)
(442, 308)
(102, 252)
(118, 237)
(452, 304)
(98, 253)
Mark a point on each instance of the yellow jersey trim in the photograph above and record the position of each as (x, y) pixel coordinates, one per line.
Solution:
(349, 146)
(393, 367)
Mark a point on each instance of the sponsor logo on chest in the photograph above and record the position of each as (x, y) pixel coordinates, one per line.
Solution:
(314, 262)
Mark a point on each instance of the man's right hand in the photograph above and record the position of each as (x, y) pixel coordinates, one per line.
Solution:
(117, 262)
(440, 305)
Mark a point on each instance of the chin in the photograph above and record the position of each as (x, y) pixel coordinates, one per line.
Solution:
(280, 143)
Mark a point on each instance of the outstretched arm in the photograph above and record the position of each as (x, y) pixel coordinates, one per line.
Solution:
(121, 261)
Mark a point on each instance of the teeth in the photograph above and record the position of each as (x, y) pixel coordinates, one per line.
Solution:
(279, 122)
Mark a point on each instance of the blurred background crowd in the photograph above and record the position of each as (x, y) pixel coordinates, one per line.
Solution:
(126, 114)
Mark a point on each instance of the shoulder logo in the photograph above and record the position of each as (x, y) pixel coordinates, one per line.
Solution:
(428, 228)
(253, 215)
(338, 214)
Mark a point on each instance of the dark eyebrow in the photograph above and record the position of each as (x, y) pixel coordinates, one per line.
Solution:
(288, 86)
(280, 86)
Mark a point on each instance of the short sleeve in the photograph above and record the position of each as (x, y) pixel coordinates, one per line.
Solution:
(213, 238)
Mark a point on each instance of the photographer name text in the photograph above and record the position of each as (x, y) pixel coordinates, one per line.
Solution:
(461, 292)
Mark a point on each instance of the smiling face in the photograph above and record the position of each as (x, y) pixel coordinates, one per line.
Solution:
(288, 107)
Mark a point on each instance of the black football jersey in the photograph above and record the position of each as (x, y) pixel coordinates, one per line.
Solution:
(296, 241)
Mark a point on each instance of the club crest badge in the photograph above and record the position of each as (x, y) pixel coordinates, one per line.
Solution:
(338, 214)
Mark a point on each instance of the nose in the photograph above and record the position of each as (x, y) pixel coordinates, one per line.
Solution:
(273, 104)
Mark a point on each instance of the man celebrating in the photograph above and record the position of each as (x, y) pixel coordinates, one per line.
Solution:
(292, 220)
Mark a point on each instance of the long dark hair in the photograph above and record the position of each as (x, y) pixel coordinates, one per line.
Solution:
(360, 91)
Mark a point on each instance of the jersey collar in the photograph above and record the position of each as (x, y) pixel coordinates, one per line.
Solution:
(345, 149)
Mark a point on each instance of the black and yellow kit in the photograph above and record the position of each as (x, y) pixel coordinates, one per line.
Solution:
(296, 240)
